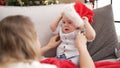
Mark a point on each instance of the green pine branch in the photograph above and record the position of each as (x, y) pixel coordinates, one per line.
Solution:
(30, 2)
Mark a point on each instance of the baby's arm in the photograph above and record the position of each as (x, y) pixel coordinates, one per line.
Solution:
(54, 25)
(89, 31)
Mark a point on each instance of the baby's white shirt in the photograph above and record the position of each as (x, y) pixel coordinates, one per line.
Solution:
(67, 45)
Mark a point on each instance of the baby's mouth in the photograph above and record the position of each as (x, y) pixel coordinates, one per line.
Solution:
(66, 29)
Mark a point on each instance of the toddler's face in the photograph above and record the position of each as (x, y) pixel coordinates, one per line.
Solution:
(67, 25)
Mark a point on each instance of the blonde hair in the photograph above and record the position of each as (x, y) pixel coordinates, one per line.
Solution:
(17, 40)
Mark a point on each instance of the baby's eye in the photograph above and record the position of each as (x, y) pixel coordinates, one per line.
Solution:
(63, 22)
(69, 23)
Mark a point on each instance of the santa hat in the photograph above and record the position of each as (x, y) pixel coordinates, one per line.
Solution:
(76, 11)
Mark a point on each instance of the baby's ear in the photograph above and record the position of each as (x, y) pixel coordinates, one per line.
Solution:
(81, 29)
(78, 28)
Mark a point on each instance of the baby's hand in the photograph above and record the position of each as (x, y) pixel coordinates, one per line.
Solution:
(60, 17)
(85, 19)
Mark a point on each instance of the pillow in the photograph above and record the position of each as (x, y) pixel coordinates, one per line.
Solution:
(103, 47)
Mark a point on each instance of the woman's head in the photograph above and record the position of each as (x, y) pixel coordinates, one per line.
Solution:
(18, 39)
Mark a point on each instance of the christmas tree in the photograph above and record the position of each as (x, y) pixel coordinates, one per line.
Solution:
(30, 2)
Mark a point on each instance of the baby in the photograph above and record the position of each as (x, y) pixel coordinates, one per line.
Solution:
(74, 18)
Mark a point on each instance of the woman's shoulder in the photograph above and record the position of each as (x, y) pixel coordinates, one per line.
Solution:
(34, 64)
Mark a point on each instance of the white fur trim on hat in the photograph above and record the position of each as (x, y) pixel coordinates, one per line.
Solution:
(71, 13)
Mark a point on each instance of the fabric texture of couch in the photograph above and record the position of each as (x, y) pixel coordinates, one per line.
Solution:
(101, 48)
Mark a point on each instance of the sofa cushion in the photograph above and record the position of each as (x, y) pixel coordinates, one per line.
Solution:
(103, 47)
